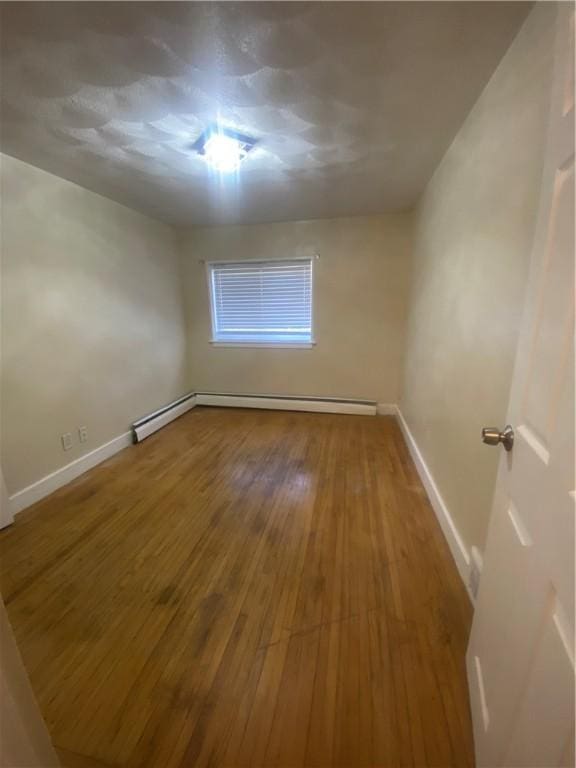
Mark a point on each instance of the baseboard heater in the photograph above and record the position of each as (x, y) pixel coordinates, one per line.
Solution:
(287, 403)
(155, 421)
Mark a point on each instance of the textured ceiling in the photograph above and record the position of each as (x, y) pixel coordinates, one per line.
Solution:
(353, 103)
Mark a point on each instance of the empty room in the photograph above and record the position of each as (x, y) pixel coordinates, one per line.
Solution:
(287, 384)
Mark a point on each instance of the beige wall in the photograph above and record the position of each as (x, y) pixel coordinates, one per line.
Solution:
(361, 284)
(92, 320)
(474, 229)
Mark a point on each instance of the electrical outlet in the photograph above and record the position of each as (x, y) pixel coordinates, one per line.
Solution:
(83, 434)
(66, 441)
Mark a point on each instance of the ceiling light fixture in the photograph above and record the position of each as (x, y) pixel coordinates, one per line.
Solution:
(223, 149)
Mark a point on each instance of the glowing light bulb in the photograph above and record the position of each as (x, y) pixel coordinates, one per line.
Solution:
(223, 153)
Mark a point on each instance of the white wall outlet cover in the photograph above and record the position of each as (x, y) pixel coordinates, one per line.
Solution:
(83, 434)
(66, 441)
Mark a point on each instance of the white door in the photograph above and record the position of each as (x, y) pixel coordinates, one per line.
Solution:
(521, 654)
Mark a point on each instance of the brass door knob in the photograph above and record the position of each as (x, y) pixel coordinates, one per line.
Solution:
(493, 436)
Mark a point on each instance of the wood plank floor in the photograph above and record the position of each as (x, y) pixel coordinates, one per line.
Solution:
(244, 588)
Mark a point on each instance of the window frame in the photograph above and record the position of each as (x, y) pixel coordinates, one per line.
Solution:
(251, 343)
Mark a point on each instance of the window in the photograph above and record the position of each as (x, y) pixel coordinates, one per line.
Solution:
(261, 302)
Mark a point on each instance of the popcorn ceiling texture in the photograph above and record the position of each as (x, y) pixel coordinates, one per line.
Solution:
(353, 104)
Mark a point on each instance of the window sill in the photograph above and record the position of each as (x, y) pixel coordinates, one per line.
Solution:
(264, 344)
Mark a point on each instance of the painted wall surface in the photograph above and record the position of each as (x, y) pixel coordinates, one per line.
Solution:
(361, 285)
(92, 320)
(474, 231)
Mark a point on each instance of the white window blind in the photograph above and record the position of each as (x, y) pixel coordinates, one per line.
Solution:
(267, 302)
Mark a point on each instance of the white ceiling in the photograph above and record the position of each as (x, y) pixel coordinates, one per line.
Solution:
(353, 103)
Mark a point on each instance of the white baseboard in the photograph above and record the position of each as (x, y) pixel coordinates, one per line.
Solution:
(387, 409)
(154, 423)
(64, 475)
(314, 405)
(457, 548)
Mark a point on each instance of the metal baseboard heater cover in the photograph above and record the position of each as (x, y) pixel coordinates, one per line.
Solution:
(288, 403)
(155, 421)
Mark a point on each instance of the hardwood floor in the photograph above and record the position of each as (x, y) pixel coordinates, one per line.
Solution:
(244, 588)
